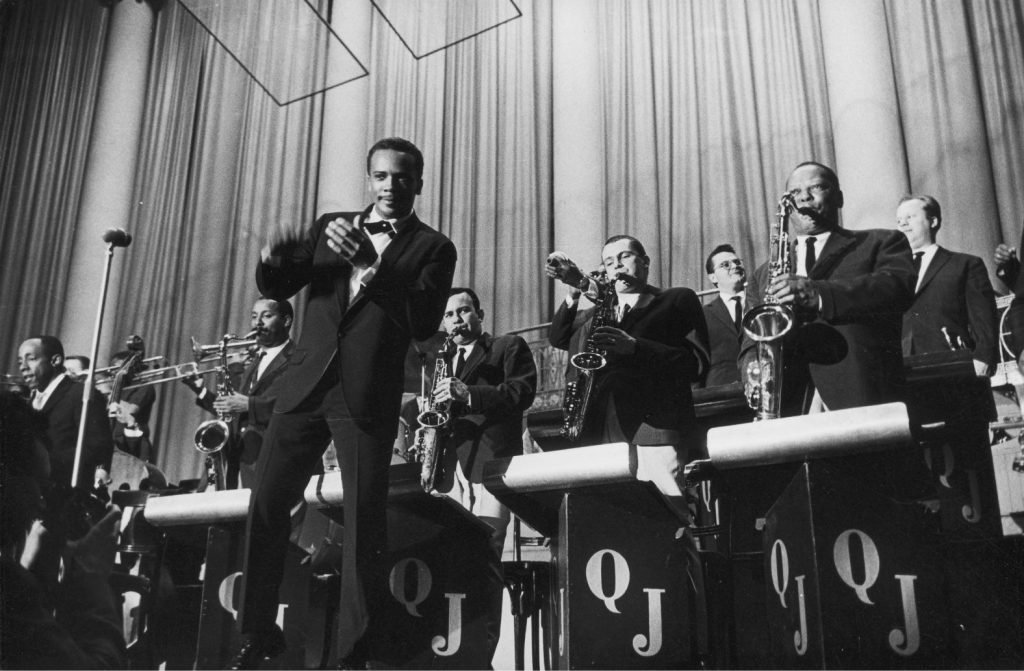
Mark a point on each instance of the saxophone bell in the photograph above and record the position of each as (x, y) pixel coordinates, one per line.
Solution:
(212, 435)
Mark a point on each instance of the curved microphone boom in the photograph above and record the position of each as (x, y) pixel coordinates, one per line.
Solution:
(117, 237)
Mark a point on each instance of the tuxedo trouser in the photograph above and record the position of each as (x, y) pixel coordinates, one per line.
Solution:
(293, 445)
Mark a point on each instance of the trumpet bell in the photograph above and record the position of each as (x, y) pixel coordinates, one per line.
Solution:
(212, 435)
(768, 322)
(588, 361)
(432, 418)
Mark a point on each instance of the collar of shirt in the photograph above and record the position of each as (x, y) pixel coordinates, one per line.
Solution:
(801, 250)
(468, 349)
(727, 297)
(268, 355)
(40, 398)
(397, 224)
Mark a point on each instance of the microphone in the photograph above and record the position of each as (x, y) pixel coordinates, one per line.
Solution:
(117, 237)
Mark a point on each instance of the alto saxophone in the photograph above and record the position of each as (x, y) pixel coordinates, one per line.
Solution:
(576, 402)
(427, 447)
(767, 324)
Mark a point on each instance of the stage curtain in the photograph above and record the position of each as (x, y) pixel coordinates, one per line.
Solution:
(220, 164)
(51, 54)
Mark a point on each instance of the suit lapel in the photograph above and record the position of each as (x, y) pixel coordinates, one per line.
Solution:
(275, 364)
(63, 387)
(835, 248)
(940, 259)
(483, 346)
(720, 311)
(637, 312)
(391, 253)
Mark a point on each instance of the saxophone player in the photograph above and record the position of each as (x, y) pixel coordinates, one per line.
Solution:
(849, 289)
(493, 382)
(657, 347)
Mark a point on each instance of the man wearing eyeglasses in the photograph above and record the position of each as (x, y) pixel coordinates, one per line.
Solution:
(723, 314)
(849, 290)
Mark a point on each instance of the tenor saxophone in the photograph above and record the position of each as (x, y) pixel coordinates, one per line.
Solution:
(767, 324)
(576, 402)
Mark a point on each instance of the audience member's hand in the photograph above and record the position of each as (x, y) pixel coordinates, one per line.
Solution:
(94, 552)
(345, 238)
(794, 290)
(231, 403)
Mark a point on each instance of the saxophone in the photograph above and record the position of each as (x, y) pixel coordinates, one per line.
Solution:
(427, 448)
(576, 402)
(767, 324)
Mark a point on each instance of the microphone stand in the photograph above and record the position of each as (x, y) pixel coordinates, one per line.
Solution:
(89, 380)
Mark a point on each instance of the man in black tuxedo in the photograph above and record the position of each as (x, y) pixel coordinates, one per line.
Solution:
(252, 402)
(849, 290)
(955, 305)
(492, 384)
(723, 314)
(59, 399)
(377, 279)
(655, 350)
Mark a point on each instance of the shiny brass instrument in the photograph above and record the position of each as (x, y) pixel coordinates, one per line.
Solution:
(576, 401)
(15, 383)
(767, 324)
(426, 447)
(212, 435)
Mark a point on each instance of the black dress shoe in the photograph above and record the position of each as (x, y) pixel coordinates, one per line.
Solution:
(256, 648)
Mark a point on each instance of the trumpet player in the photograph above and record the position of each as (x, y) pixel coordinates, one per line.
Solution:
(655, 350)
(954, 303)
(849, 289)
(253, 401)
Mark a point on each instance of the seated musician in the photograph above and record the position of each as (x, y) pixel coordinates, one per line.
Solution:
(253, 400)
(849, 290)
(76, 366)
(726, 272)
(59, 399)
(655, 345)
(492, 384)
(954, 305)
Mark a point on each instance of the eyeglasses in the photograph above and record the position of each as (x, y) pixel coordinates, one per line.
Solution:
(725, 265)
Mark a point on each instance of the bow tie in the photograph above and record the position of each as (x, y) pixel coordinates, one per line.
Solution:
(374, 227)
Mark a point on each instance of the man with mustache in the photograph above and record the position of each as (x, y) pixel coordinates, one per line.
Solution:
(253, 398)
(849, 290)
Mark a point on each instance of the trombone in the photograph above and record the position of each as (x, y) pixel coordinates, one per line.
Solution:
(206, 359)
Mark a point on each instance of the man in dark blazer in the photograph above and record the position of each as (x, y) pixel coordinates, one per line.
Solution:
(723, 314)
(377, 279)
(252, 402)
(492, 383)
(849, 290)
(954, 305)
(59, 399)
(656, 349)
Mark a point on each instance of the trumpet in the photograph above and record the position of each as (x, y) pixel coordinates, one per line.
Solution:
(15, 383)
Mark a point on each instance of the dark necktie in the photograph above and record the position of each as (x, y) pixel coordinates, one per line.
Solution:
(254, 378)
(374, 227)
(812, 254)
(917, 262)
(460, 362)
(623, 311)
(737, 312)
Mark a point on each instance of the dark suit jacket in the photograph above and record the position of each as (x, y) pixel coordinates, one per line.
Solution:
(725, 343)
(650, 389)
(850, 351)
(366, 339)
(63, 412)
(955, 293)
(261, 400)
(502, 379)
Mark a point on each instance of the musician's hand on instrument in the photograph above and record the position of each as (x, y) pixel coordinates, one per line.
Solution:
(124, 412)
(193, 382)
(614, 341)
(560, 267)
(231, 403)
(345, 238)
(1004, 254)
(451, 389)
(101, 478)
(795, 290)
